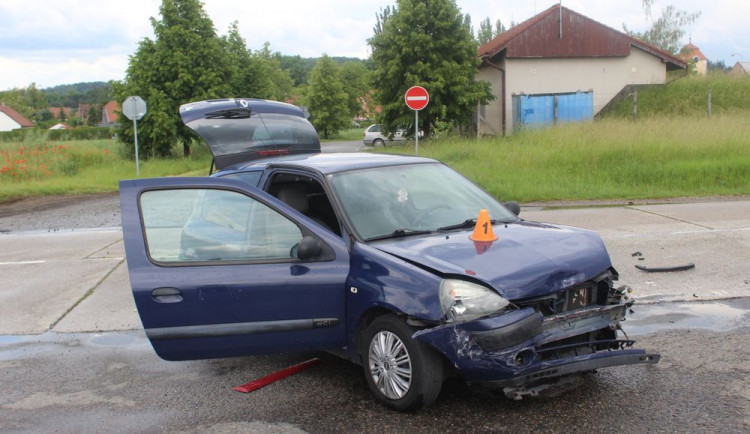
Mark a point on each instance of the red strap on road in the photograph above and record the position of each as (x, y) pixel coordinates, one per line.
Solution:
(276, 376)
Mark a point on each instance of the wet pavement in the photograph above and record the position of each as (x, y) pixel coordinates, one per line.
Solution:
(714, 316)
(73, 356)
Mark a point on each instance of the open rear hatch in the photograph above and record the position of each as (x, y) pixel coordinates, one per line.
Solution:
(241, 130)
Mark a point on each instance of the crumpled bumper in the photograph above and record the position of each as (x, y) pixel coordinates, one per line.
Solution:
(522, 347)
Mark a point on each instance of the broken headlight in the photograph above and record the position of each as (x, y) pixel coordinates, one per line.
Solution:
(462, 300)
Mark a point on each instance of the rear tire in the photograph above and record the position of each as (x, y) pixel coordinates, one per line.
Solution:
(378, 143)
(402, 373)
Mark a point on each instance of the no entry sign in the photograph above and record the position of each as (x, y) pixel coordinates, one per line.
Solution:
(416, 98)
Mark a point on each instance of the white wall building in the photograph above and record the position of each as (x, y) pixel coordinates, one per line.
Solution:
(562, 66)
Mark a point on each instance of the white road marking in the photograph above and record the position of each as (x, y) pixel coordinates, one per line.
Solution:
(22, 262)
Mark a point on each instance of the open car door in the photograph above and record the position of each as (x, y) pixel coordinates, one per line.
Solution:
(221, 269)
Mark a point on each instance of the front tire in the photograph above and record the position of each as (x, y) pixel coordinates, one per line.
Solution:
(402, 373)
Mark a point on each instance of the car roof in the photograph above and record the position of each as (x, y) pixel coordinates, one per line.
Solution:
(331, 162)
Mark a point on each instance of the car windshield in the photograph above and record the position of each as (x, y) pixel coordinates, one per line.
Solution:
(414, 199)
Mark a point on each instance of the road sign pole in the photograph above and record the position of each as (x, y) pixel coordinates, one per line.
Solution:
(137, 164)
(416, 132)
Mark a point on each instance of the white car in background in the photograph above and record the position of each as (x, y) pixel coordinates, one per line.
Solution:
(374, 136)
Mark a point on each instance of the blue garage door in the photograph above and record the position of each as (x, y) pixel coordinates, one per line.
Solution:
(549, 109)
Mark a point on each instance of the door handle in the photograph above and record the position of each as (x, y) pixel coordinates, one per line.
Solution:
(166, 295)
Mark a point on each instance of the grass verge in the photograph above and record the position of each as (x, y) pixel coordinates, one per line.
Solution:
(608, 159)
(79, 167)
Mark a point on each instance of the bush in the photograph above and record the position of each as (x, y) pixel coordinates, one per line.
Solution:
(81, 133)
(28, 135)
(13, 136)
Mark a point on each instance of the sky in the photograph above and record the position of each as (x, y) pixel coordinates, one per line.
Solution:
(53, 42)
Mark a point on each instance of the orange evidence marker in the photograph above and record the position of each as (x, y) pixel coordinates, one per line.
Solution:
(483, 229)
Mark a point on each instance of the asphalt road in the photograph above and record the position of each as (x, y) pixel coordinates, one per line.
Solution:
(73, 357)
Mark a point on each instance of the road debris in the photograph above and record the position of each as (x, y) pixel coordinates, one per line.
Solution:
(276, 376)
(665, 269)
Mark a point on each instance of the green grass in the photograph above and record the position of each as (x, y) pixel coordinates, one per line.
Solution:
(609, 159)
(605, 159)
(688, 96)
(77, 167)
(346, 135)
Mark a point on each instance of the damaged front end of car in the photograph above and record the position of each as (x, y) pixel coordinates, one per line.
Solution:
(528, 344)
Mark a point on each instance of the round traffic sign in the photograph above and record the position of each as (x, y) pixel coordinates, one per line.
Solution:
(416, 98)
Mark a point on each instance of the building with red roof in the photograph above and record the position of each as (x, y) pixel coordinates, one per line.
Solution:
(109, 114)
(12, 120)
(56, 112)
(693, 56)
(562, 66)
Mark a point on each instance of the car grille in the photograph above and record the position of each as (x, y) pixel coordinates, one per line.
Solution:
(570, 299)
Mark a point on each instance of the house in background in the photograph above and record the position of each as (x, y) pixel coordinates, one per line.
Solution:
(740, 68)
(692, 55)
(562, 66)
(61, 126)
(12, 120)
(56, 112)
(83, 110)
(109, 115)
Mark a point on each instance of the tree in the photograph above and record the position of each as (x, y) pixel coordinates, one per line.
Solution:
(185, 62)
(427, 43)
(94, 117)
(381, 18)
(248, 72)
(668, 30)
(355, 82)
(297, 67)
(35, 98)
(326, 99)
(486, 32)
(499, 27)
(718, 65)
(281, 81)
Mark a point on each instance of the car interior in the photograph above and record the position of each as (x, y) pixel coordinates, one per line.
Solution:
(307, 196)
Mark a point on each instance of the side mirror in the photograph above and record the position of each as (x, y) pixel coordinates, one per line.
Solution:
(308, 248)
(513, 207)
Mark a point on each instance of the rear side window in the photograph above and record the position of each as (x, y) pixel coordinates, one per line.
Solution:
(251, 178)
(214, 225)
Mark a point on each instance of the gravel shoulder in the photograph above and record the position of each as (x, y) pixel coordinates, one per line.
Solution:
(53, 213)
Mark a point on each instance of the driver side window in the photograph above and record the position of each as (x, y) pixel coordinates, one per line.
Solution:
(197, 225)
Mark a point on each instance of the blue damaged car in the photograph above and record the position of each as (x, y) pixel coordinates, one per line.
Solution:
(397, 263)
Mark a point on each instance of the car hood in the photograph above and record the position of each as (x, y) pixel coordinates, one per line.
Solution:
(241, 130)
(527, 260)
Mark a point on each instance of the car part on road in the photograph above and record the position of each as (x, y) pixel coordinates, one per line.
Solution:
(276, 376)
(665, 269)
